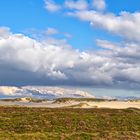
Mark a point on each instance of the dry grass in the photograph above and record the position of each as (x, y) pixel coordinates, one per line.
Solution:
(22, 123)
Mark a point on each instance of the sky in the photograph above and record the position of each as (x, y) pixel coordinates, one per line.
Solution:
(70, 42)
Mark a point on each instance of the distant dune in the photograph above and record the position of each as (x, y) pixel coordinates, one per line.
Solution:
(71, 103)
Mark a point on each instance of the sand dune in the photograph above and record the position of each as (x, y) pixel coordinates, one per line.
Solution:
(76, 104)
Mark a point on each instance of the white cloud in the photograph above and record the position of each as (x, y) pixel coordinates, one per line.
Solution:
(43, 91)
(99, 4)
(51, 31)
(125, 25)
(78, 4)
(23, 59)
(106, 44)
(9, 91)
(116, 64)
(4, 32)
(51, 6)
(41, 34)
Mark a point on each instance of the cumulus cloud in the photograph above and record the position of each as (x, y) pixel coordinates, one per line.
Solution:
(125, 24)
(99, 4)
(116, 64)
(106, 44)
(26, 61)
(78, 5)
(51, 6)
(4, 32)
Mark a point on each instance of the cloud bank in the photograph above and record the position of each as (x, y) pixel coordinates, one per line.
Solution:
(26, 61)
(43, 92)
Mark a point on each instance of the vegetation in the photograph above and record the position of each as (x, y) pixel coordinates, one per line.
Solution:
(80, 105)
(136, 100)
(22, 123)
(64, 100)
(29, 99)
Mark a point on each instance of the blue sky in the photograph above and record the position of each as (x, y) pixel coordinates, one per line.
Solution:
(70, 42)
(23, 15)
(26, 14)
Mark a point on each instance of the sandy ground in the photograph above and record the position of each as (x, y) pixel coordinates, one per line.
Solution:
(74, 104)
(115, 104)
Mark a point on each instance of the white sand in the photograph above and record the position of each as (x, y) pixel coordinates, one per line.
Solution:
(115, 104)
